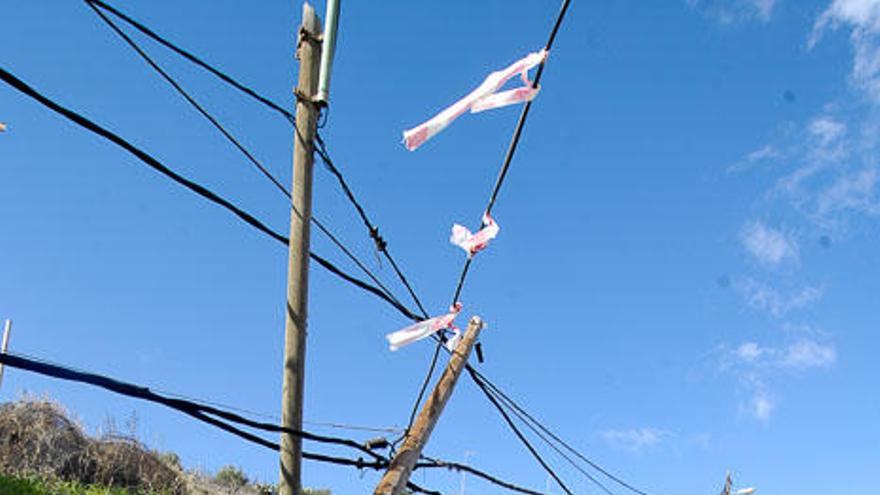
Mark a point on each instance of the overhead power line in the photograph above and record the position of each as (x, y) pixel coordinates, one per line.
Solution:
(196, 60)
(223, 419)
(520, 436)
(372, 229)
(236, 143)
(533, 423)
(430, 462)
(194, 409)
(514, 140)
(502, 174)
(381, 244)
(202, 191)
(504, 399)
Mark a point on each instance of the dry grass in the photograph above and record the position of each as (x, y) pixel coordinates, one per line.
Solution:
(37, 438)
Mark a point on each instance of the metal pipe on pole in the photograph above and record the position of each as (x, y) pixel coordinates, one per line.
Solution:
(328, 51)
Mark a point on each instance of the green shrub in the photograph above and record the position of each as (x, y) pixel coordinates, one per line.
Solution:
(231, 477)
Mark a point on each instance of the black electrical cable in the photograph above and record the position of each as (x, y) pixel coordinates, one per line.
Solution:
(290, 117)
(236, 143)
(519, 434)
(438, 463)
(374, 232)
(189, 99)
(202, 191)
(224, 418)
(560, 452)
(199, 411)
(196, 60)
(499, 181)
(514, 141)
(424, 387)
(381, 244)
(527, 418)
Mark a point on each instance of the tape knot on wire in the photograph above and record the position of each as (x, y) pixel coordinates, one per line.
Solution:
(381, 245)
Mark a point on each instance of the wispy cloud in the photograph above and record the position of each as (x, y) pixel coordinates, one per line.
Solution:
(827, 169)
(760, 406)
(835, 176)
(754, 365)
(854, 192)
(765, 154)
(769, 246)
(863, 18)
(636, 439)
(806, 354)
(732, 11)
(827, 129)
(801, 354)
(761, 296)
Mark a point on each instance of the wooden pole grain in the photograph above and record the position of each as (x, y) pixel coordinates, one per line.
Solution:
(396, 478)
(296, 307)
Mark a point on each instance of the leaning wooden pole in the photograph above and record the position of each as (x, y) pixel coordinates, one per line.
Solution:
(309, 53)
(396, 478)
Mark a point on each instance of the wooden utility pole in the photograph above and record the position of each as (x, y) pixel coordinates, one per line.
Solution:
(309, 54)
(6, 329)
(395, 479)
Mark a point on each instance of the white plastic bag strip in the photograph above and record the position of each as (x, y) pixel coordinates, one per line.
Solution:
(485, 97)
(422, 329)
(473, 243)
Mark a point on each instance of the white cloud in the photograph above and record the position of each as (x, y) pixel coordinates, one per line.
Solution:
(806, 354)
(636, 439)
(764, 154)
(731, 11)
(749, 351)
(855, 192)
(750, 357)
(754, 365)
(761, 406)
(764, 8)
(836, 175)
(763, 297)
(863, 18)
(827, 129)
(767, 245)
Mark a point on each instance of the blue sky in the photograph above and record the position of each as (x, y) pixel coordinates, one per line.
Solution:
(685, 280)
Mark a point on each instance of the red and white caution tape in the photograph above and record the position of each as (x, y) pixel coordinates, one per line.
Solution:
(485, 97)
